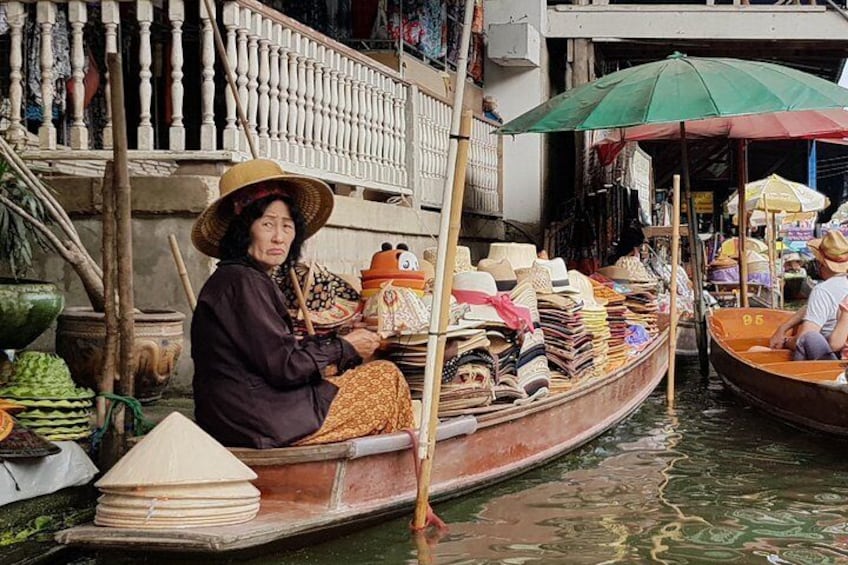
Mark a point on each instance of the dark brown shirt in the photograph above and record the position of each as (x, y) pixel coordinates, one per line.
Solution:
(255, 384)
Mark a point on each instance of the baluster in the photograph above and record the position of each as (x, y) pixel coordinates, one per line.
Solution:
(110, 15)
(309, 104)
(208, 132)
(326, 67)
(320, 149)
(274, 90)
(176, 133)
(144, 13)
(333, 141)
(388, 129)
(241, 69)
(378, 143)
(363, 122)
(231, 21)
(254, 24)
(285, 127)
(16, 15)
(291, 133)
(46, 18)
(264, 87)
(351, 123)
(302, 50)
(400, 130)
(77, 17)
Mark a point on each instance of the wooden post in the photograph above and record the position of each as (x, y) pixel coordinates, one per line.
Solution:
(123, 231)
(672, 307)
(697, 264)
(110, 310)
(742, 217)
(181, 270)
(431, 419)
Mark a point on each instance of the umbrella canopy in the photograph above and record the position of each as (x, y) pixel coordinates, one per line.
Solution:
(776, 194)
(803, 124)
(680, 89)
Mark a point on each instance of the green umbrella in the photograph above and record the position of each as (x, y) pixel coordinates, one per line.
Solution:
(676, 90)
(680, 89)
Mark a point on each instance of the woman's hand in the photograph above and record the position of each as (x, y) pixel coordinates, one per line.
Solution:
(364, 342)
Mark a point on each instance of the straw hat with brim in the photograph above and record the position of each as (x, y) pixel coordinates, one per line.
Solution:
(313, 197)
(831, 250)
(501, 270)
(789, 257)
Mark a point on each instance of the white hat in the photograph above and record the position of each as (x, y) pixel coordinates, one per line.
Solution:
(519, 255)
(559, 275)
(176, 452)
(479, 281)
(584, 285)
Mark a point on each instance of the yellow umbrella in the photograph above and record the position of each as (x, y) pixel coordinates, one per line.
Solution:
(777, 194)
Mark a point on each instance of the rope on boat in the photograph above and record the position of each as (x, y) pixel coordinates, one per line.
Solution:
(140, 424)
(432, 518)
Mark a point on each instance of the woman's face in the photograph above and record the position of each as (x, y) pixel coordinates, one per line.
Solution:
(271, 236)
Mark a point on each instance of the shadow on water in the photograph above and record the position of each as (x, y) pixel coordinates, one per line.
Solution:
(711, 482)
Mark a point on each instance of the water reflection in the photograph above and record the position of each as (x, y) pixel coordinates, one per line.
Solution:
(711, 482)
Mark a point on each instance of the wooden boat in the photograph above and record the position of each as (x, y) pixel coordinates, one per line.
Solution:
(804, 393)
(322, 489)
(687, 341)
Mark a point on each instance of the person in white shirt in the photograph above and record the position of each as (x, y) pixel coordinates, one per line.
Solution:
(816, 320)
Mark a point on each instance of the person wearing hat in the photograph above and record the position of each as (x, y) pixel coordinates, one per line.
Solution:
(793, 266)
(255, 384)
(816, 321)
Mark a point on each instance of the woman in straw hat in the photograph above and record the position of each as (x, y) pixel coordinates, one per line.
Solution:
(255, 384)
(816, 321)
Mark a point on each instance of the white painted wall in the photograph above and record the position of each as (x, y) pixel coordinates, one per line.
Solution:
(517, 90)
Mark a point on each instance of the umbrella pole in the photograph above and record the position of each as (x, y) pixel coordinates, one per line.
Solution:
(697, 260)
(742, 216)
(773, 259)
(448, 235)
(672, 306)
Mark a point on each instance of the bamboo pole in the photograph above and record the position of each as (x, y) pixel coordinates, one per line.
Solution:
(251, 142)
(697, 263)
(672, 307)
(181, 270)
(430, 411)
(123, 234)
(110, 310)
(742, 216)
(452, 194)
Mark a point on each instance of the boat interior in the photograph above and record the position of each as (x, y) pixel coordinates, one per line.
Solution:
(745, 333)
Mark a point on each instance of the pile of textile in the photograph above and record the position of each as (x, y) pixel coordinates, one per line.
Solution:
(569, 346)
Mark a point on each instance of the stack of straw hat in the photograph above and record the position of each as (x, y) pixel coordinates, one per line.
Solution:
(594, 318)
(617, 321)
(56, 408)
(178, 476)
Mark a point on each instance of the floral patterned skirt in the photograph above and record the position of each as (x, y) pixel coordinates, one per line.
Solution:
(372, 399)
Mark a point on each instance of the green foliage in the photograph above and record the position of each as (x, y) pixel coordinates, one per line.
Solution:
(18, 236)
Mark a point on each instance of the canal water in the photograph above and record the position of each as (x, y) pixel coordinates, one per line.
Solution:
(711, 482)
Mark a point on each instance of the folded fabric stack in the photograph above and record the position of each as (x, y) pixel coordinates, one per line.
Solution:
(568, 344)
(178, 476)
(642, 309)
(505, 349)
(469, 372)
(57, 409)
(616, 321)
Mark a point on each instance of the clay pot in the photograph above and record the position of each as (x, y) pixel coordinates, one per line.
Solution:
(81, 339)
(27, 308)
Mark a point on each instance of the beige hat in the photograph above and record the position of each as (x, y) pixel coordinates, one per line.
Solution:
(559, 275)
(831, 250)
(502, 272)
(314, 198)
(462, 262)
(176, 452)
(519, 255)
(584, 285)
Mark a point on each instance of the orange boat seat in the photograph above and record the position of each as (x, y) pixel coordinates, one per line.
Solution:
(762, 357)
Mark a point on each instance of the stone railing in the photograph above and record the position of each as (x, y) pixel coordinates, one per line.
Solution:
(317, 106)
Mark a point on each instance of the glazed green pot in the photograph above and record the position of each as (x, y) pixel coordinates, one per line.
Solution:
(27, 308)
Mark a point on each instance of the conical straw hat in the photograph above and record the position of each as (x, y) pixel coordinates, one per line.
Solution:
(231, 491)
(176, 452)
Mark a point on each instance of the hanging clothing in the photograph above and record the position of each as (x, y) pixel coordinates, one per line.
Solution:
(61, 66)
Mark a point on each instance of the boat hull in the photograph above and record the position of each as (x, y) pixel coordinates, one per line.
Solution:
(319, 489)
(803, 393)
